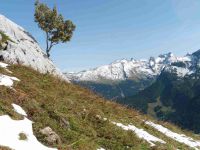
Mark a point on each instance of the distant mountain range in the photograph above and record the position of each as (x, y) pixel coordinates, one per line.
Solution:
(124, 78)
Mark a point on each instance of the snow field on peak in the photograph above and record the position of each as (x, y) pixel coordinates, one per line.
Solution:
(10, 130)
(177, 137)
(181, 72)
(127, 69)
(141, 133)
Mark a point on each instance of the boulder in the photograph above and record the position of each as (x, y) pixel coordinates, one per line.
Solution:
(50, 136)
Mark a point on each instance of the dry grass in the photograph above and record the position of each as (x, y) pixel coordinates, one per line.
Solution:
(4, 148)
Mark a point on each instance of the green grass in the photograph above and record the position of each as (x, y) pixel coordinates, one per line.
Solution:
(48, 101)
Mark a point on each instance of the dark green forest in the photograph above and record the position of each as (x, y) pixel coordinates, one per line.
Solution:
(172, 98)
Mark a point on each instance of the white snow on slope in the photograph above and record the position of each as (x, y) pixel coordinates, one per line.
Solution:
(178, 137)
(101, 148)
(7, 80)
(180, 71)
(19, 110)
(141, 134)
(3, 65)
(9, 134)
(25, 49)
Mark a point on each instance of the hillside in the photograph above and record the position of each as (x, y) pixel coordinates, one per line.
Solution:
(78, 118)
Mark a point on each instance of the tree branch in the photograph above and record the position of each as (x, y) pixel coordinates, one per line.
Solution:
(47, 41)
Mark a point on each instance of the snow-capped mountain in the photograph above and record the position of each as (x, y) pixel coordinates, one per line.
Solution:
(129, 69)
(124, 78)
(24, 49)
(185, 65)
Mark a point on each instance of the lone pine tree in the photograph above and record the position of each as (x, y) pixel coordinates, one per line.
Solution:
(53, 24)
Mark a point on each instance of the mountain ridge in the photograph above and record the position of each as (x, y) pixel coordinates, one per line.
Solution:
(124, 78)
(123, 69)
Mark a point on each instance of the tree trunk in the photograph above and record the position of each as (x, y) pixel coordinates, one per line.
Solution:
(47, 43)
(48, 54)
(49, 49)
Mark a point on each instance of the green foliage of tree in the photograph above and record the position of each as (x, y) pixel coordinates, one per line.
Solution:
(53, 24)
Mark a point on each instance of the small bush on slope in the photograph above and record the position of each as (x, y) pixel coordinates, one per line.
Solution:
(22, 136)
(4, 38)
(75, 114)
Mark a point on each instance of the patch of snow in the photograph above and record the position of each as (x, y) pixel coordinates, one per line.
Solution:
(19, 110)
(10, 130)
(3, 65)
(178, 137)
(101, 148)
(180, 71)
(186, 58)
(7, 80)
(141, 133)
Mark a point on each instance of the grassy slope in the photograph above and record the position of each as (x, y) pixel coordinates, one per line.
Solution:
(48, 101)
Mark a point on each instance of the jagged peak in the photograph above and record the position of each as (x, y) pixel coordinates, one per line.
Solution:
(166, 55)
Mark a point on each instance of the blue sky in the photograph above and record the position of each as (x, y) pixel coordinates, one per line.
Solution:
(114, 29)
